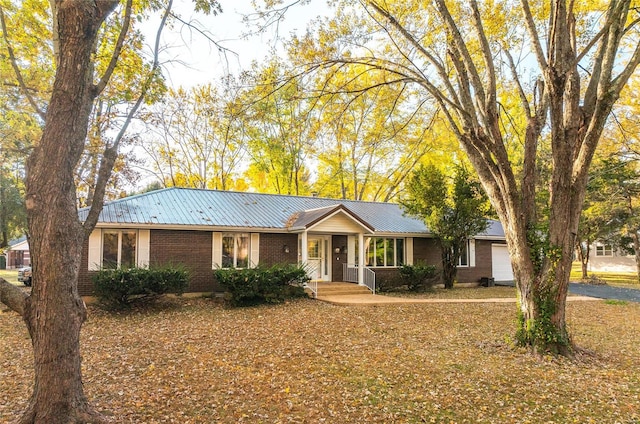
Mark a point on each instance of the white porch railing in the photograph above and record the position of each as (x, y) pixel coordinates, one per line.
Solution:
(370, 279)
(350, 275)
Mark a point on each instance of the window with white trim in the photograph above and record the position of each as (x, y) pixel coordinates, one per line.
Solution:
(383, 252)
(119, 248)
(235, 250)
(604, 250)
(463, 261)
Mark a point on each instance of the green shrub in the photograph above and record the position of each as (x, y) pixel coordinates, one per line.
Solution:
(389, 283)
(262, 285)
(120, 288)
(419, 277)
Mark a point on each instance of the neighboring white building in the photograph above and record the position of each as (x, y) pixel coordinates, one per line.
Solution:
(605, 257)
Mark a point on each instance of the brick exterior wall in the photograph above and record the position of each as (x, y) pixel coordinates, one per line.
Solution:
(272, 249)
(192, 249)
(427, 251)
(85, 286)
(483, 266)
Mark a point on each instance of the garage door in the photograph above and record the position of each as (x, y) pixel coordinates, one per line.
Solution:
(500, 263)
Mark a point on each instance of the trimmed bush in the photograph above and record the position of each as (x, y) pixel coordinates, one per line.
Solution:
(389, 283)
(254, 286)
(120, 288)
(418, 278)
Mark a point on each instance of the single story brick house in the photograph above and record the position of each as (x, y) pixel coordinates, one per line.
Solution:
(338, 240)
(17, 254)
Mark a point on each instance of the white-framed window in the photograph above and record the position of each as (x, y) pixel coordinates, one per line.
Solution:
(604, 250)
(383, 251)
(119, 248)
(463, 261)
(235, 250)
(468, 254)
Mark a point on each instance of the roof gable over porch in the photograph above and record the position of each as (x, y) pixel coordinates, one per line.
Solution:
(331, 219)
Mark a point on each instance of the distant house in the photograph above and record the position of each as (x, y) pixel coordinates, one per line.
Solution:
(338, 240)
(17, 254)
(605, 257)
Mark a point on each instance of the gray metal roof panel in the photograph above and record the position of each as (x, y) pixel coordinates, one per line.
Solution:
(194, 207)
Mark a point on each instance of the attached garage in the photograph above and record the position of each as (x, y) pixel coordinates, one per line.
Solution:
(501, 263)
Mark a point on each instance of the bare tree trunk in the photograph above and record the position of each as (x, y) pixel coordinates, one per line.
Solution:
(449, 268)
(636, 250)
(4, 234)
(54, 312)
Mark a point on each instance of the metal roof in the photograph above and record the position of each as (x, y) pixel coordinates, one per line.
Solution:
(228, 209)
(306, 219)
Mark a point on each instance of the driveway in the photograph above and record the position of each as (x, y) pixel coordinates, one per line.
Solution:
(605, 292)
(600, 292)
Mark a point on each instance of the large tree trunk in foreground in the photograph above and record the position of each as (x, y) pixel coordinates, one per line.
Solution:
(54, 312)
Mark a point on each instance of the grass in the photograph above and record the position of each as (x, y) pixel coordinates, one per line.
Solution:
(195, 361)
(619, 279)
(11, 275)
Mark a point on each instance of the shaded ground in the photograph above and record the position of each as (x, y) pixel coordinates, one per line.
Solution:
(311, 362)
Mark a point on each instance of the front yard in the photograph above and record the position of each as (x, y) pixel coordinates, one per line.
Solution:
(196, 361)
(619, 279)
(11, 275)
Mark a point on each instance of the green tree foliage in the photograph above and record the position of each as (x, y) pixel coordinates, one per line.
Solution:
(278, 131)
(454, 209)
(12, 214)
(369, 140)
(611, 207)
(608, 211)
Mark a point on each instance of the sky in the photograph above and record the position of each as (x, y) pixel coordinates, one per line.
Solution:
(190, 59)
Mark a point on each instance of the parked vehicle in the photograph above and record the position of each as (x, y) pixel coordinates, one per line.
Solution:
(24, 276)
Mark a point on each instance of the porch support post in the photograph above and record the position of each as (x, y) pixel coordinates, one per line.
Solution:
(304, 252)
(360, 258)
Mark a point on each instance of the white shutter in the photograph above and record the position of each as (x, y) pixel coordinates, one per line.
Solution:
(95, 251)
(351, 250)
(472, 252)
(216, 260)
(144, 241)
(255, 250)
(408, 250)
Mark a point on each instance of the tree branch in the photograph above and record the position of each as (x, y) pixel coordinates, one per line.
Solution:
(98, 88)
(12, 296)
(533, 33)
(16, 68)
(111, 153)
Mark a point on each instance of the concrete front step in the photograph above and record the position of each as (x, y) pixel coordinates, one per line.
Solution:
(341, 289)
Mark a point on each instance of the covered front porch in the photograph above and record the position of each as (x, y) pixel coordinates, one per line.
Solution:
(336, 245)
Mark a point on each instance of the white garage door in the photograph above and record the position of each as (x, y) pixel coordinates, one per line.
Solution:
(500, 262)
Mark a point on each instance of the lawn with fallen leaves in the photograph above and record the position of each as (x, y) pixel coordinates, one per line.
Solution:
(195, 361)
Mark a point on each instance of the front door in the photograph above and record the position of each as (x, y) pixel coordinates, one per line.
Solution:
(318, 258)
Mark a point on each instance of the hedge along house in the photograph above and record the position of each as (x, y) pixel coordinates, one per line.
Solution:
(336, 240)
